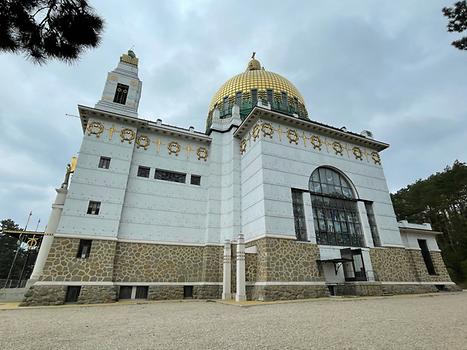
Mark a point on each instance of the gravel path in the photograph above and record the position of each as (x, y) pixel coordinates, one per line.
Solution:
(402, 322)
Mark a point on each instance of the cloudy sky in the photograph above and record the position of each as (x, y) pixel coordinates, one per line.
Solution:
(386, 66)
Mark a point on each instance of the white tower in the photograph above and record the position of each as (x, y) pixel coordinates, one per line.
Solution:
(122, 89)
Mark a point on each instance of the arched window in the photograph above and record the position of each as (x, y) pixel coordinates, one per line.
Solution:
(335, 211)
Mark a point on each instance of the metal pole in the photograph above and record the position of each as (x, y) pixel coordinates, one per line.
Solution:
(17, 250)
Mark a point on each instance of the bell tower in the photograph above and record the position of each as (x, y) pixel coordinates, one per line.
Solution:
(122, 89)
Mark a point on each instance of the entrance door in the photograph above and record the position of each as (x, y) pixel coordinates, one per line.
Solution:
(354, 267)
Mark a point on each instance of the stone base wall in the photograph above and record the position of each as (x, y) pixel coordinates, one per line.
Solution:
(287, 292)
(421, 271)
(360, 289)
(176, 292)
(44, 295)
(408, 288)
(55, 295)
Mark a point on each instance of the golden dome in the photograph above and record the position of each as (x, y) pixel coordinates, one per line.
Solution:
(264, 82)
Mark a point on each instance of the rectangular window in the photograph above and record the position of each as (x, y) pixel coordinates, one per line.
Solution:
(121, 93)
(225, 106)
(94, 207)
(167, 175)
(125, 292)
(254, 97)
(299, 215)
(195, 180)
(269, 96)
(238, 99)
(104, 162)
(285, 103)
(72, 294)
(84, 248)
(372, 221)
(426, 256)
(141, 292)
(143, 171)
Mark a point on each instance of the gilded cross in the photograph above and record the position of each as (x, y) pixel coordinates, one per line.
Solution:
(158, 145)
(279, 132)
(188, 150)
(111, 132)
(304, 138)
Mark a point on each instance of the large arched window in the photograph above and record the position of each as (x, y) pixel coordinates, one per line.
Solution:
(334, 209)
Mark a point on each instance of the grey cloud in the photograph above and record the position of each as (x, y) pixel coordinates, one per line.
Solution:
(384, 66)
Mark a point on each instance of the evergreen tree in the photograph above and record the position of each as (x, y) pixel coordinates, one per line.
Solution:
(47, 29)
(441, 200)
(457, 22)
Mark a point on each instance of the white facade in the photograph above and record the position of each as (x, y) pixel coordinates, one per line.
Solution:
(247, 169)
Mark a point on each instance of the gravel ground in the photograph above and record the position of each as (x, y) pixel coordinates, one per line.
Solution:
(402, 322)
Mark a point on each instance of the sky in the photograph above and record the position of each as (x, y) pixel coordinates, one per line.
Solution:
(384, 66)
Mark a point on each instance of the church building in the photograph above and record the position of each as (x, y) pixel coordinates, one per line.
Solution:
(264, 204)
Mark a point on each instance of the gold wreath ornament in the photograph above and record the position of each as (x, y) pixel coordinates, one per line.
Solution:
(256, 131)
(267, 130)
(143, 141)
(174, 147)
(292, 136)
(376, 158)
(95, 128)
(202, 153)
(337, 148)
(316, 142)
(357, 152)
(243, 146)
(127, 135)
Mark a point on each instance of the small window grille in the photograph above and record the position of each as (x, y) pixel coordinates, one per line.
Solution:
(172, 176)
(285, 103)
(238, 98)
(121, 93)
(141, 292)
(195, 180)
(187, 292)
(72, 294)
(143, 171)
(94, 207)
(84, 249)
(125, 292)
(104, 162)
(269, 96)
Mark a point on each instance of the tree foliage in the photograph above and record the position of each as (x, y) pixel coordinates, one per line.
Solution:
(47, 29)
(441, 200)
(457, 16)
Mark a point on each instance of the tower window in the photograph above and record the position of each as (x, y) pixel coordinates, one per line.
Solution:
(84, 249)
(285, 104)
(238, 98)
(225, 106)
(104, 162)
(94, 207)
(121, 93)
(299, 215)
(269, 94)
(254, 97)
(143, 171)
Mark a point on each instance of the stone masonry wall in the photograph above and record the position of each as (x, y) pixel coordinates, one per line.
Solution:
(63, 265)
(287, 260)
(392, 264)
(421, 270)
(136, 262)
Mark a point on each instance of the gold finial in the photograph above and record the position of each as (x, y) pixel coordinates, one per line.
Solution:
(129, 57)
(254, 63)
